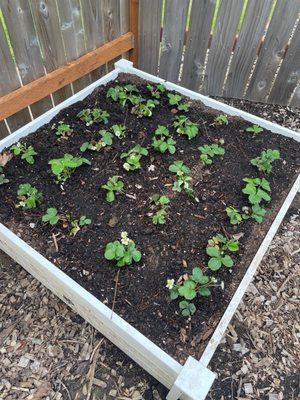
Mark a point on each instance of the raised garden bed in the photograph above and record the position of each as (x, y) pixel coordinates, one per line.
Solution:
(173, 234)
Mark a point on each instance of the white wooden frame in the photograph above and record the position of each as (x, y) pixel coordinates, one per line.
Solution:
(193, 380)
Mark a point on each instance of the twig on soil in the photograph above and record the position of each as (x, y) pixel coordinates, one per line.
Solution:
(115, 294)
(55, 242)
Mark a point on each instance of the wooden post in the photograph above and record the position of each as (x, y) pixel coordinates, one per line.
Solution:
(134, 28)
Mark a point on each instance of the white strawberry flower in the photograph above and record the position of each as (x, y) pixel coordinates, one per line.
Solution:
(170, 283)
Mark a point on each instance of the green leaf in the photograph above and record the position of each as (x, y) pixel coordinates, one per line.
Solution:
(214, 264)
(227, 261)
(204, 291)
(110, 196)
(137, 255)
(213, 252)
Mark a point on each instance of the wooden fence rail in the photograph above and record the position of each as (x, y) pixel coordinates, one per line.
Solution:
(233, 48)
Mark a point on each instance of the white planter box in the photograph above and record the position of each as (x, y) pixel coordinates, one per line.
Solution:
(194, 379)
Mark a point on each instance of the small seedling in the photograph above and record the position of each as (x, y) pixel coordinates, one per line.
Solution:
(162, 141)
(122, 95)
(113, 185)
(191, 286)
(160, 202)
(265, 160)
(209, 151)
(174, 99)
(133, 157)
(91, 116)
(156, 90)
(221, 120)
(217, 248)
(258, 213)
(63, 130)
(63, 168)
(123, 252)
(234, 215)
(257, 190)
(255, 129)
(26, 153)
(29, 196)
(185, 126)
(97, 145)
(51, 217)
(77, 224)
(119, 130)
(3, 179)
(183, 179)
(144, 108)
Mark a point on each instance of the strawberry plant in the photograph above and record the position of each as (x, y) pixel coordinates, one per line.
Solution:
(3, 179)
(183, 179)
(255, 129)
(77, 224)
(184, 126)
(51, 217)
(174, 99)
(257, 190)
(221, 120)
(64, 167)
(258, 213)
(124, 95)
(26, 153)
(123, 252)
(156, 90)
(91, 116)
(188, 288)
(144, 108)
(113, 186)
(63, 130)
(160, 203)
(265, 160)
(97, 145)
(28, 196)
(133, 157)
(162, 141)
(119, 130)
(217, 250)
(234, 215)
(209, 151)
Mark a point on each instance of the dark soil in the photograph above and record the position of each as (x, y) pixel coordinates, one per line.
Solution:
(168, 251)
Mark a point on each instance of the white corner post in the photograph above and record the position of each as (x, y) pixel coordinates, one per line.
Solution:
(193, 382)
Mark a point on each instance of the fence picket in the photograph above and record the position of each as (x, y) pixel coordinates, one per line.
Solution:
(124, 19)
(110, 11)
(295, 101)
(248, 43)
(173, 39)
(221, 47)
(9, 81)
(26, 51)
(73, 36)
(94, 32)
(197, 43)
(3, 130)
(47, 25)
(289, 73)
(278, 34)
(149, 35)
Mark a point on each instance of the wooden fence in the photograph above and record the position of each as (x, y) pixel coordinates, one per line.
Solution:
(234, 48)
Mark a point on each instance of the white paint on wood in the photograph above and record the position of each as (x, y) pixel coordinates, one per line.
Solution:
(194, 381)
